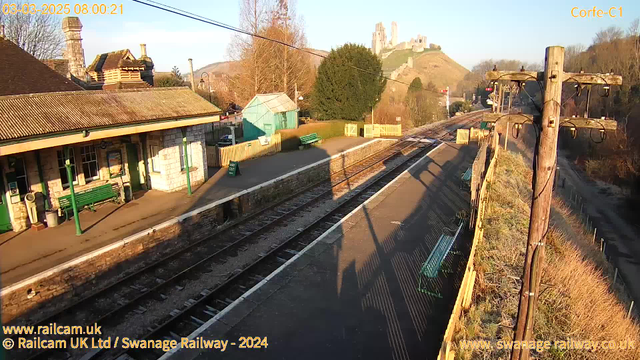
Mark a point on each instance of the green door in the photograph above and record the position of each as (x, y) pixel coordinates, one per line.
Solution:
(134, 171)
(5, 220)
(268, 130)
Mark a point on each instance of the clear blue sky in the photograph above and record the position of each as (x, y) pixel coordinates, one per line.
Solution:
(468, 31)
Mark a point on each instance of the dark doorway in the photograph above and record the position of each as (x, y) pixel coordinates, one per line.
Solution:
(134, 170)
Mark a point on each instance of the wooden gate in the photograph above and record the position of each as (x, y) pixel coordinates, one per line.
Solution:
(351, 130)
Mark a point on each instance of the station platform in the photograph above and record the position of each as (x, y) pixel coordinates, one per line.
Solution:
(353, 293)
(28, 253)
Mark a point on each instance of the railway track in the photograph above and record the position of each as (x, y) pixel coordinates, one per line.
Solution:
(200, 310)
(150, 285)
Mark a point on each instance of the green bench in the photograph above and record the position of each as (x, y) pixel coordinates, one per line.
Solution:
(466, 178)
(88, 198)
(432, 266)
(309, 139)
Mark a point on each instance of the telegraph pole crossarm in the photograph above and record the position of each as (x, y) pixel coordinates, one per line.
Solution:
(544, 169)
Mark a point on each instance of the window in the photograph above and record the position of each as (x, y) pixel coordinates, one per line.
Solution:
(89, 163)
(155, 158)
(189, 155)
(21, 176)
(63, 170)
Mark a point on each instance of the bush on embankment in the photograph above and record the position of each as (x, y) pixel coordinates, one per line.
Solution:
(576, 298)
(324, 129)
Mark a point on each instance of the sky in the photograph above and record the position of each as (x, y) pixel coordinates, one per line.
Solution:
(468, 31)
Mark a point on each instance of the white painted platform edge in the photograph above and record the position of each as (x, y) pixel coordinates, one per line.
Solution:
(33, 279)
(211, 321)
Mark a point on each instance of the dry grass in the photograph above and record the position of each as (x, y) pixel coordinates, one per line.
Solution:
(577, 300)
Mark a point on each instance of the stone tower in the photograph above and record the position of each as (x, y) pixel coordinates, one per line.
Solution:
(394, 34)
(74, 53)
(379, 39)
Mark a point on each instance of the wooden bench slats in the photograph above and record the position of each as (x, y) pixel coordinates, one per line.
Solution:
(309, 139)
(467, 175)
(431, 267)
(88, 197)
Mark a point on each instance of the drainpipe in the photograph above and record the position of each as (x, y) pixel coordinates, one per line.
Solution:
(186, 159)
(67, 164)
(45, 192)
(145, 155)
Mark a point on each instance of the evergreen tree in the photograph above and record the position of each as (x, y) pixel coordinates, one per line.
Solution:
(343, 92)
(416, 85)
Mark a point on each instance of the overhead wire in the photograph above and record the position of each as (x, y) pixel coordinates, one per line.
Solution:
(183, 13)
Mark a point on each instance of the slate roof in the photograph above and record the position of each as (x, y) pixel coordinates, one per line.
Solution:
(21, 73)
(33, 115)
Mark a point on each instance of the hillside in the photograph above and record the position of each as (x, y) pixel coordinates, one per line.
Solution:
(227, 67)
(434, 66)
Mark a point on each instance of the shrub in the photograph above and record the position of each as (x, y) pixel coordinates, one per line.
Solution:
(324, 129)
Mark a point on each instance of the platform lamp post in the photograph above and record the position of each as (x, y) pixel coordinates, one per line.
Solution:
(74, 205)
(208, 82)
(186, 159)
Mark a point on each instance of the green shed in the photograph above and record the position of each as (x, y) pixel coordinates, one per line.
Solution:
(267, 113)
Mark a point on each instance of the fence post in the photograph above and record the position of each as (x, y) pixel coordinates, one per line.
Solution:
(571, 195)
(615, 276)
(595, 230)
(630, 308)
(601, 243)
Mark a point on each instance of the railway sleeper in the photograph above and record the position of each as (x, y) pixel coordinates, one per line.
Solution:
(197, 322)
(189, 302)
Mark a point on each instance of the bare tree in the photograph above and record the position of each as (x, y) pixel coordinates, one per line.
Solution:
(38, 34)
(609, 34)
(263, 66)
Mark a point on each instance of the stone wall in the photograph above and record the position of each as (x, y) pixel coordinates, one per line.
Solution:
(74, 279)
(171, 175)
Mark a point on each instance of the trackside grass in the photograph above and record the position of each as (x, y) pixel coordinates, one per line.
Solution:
(577, 301)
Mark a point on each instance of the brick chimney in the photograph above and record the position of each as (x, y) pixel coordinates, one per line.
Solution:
(143, 51)
(74, 53)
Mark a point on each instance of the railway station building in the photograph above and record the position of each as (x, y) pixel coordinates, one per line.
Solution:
(128, 140)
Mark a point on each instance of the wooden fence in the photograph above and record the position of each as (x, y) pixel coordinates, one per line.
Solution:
(377, 130)
(463, 300)
(220, 157)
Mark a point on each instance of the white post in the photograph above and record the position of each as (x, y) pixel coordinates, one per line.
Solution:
(595, 230)
(447, 102)
(233, 135)
(193, 82)
(630, 308)
(615, 276)
(506, 138)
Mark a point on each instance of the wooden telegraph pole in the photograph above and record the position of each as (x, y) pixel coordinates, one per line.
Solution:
(544, 168)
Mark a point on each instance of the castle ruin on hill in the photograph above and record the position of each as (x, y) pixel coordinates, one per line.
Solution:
(379, 41)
